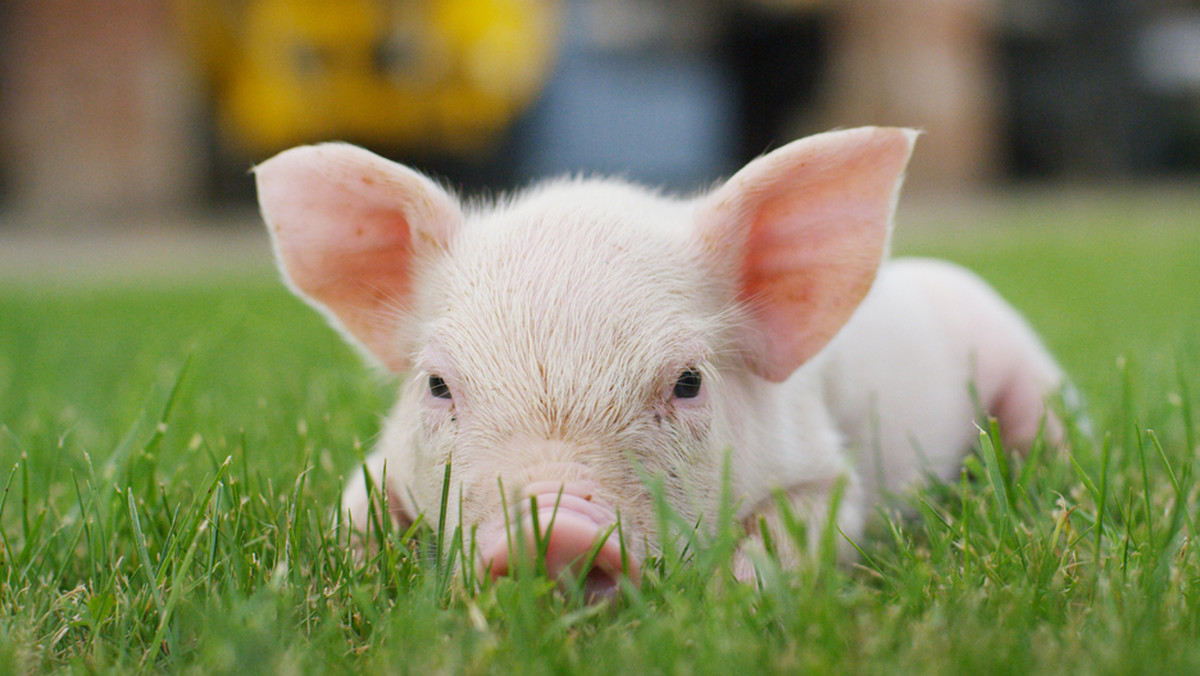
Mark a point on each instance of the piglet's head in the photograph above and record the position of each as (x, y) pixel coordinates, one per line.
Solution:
(581, 337)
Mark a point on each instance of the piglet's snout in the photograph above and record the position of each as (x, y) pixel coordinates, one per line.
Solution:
(571, 524)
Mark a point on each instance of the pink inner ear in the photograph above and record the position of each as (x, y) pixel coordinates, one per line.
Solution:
(362, 278)
(808, 284)
(813, 220)
(346, 225)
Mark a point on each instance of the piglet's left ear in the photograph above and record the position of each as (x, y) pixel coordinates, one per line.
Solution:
(803, 230)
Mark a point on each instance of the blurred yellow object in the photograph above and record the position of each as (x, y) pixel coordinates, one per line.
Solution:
(431, 75)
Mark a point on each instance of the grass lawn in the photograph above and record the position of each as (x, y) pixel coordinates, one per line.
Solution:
(170, 450)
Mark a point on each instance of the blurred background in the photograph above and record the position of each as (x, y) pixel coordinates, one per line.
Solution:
(112, 110)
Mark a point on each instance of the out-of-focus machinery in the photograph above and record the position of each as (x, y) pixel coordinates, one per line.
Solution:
(435, 77)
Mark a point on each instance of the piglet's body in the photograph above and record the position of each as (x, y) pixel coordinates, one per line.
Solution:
(566, 343)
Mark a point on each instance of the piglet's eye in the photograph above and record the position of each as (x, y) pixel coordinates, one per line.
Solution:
(438, 387)
(688, 385)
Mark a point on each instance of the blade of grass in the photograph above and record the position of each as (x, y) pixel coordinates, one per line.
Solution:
(8, 549)
(163, 632)
(147, 567)
(1102, 501)
(995, 476)
(1178, 484)
(443, 569)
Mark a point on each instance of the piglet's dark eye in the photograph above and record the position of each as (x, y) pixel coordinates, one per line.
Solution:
(688, 385)
(438, 387)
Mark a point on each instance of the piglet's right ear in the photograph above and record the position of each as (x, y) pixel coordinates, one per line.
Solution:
(347, 227)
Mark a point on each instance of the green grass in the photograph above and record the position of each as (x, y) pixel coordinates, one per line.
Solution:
(170, 452)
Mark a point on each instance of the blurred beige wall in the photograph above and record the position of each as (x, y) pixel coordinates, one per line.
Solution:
(925, 64)
(97, 107)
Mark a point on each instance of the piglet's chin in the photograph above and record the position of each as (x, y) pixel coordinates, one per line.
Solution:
(571, 524)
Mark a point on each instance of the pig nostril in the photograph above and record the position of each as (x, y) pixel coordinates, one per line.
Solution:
(599, 585)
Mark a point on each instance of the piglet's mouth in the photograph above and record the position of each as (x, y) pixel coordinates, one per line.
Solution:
(576, 537)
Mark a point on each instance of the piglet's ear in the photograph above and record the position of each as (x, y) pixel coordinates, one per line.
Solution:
(348, 227)
(803, 230)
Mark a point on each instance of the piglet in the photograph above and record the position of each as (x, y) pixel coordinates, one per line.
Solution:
(567, 343)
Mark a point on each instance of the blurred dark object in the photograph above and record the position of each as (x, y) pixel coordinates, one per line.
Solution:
(1101, 88)
(1168, 58)
(779, 61)
(805, 66)
(1074, 89)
